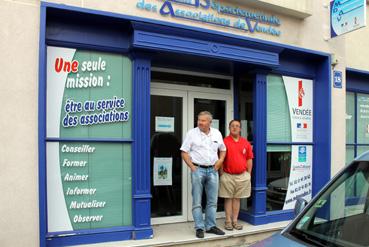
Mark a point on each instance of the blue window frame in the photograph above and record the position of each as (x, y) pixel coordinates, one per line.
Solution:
(357, 124)
(357, 113)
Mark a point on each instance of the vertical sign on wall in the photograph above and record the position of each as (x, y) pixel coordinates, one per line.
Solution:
(88, 97)
(300, 102)
(347, 15)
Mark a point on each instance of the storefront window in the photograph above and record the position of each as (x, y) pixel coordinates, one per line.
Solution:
(362, 118)
(350, 153)
(289, 121)
(357, 124)
(350, 118)
(278, 115)
(278, 168)
(362, 149)
(88, 159)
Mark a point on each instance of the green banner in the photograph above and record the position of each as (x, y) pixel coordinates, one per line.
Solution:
(88, 97)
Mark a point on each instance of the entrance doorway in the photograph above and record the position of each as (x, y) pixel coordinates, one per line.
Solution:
(174, 110)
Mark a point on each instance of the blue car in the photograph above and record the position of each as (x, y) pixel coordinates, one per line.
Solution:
(337, 216)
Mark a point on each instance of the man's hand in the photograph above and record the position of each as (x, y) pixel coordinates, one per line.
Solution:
(249, 166)
(221, 171)
(218, 165)
(187, 159)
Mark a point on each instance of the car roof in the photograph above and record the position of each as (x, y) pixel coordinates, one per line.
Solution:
(363, 157)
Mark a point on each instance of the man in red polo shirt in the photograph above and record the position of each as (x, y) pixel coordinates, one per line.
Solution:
(235, 182)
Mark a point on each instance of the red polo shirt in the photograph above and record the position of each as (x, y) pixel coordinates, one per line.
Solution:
(237, 155)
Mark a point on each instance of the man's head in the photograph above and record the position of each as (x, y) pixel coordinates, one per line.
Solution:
(204, 121)
(235, 127)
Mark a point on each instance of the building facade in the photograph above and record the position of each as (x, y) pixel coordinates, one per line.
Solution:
(108, 90)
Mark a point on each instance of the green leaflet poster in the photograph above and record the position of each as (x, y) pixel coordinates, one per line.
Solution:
(88, 98)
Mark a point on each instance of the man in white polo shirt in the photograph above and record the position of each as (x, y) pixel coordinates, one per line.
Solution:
(200, 152)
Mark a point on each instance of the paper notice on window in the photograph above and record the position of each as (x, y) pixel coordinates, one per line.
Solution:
(300, 180)
(162, 174)
(164, 124)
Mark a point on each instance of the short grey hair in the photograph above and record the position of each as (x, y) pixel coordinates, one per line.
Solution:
(206, 113)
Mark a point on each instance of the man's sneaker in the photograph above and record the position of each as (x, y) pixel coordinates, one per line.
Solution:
(200, 233)
(215, 230)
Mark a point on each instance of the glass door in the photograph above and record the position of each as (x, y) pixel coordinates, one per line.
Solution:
(221, 107)
(173, 113)
(168, 183)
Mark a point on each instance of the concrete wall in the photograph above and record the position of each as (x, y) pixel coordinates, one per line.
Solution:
(19, 32)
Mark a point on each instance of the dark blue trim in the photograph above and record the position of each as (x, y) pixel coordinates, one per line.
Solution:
(356, 90)
(89, 238)
(260, 188)
(357, 71)
(147, 36)
(119, 140)
(42, 130)
(141, 197)
(357, 80)
(361, 144)
(322, 125)
(268, 217)
(292, 73)
(257, 213)
(90, 231)
(82, 30)
(291, 64)
(77, 45)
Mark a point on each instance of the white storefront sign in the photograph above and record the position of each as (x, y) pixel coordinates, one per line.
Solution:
(300, 103)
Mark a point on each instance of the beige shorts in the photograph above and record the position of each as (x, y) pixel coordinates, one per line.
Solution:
(235, 185)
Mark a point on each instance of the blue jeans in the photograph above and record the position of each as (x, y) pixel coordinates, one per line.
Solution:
(207, 178)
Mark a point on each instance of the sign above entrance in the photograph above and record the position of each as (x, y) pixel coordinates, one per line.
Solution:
(215, 13)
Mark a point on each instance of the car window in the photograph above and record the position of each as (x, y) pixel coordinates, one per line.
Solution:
(339, 217)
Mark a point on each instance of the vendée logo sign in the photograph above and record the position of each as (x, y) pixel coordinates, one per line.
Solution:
(252, 22)
(301, 93)
(299, 111)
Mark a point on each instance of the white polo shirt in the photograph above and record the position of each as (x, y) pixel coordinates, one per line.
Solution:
(203, 148)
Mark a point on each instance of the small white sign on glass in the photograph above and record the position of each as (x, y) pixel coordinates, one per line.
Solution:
(162, 174)
(164, 124)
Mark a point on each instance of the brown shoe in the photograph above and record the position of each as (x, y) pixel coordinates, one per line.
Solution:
(237, 226)
(228, 226)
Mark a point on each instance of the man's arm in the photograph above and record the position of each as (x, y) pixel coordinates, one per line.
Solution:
(187, 159)
(219, 163)
(249, 166)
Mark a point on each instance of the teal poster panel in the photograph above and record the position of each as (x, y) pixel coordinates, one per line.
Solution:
(89, 183)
